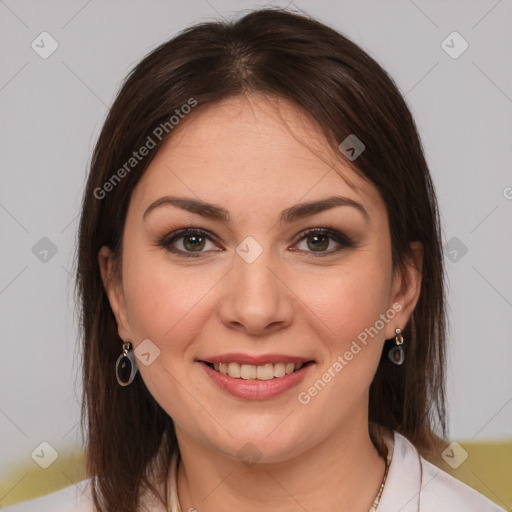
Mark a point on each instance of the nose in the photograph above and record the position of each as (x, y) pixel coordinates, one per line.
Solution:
(256, 301)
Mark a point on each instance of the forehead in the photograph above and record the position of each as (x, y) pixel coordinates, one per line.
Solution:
(251, 148)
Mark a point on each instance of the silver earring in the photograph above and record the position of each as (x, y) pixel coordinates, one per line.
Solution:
(126, 366)
(396, 354)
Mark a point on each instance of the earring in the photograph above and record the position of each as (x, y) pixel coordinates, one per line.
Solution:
(126, 366)
(396, 354)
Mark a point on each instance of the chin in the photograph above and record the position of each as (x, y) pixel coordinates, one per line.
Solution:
(263, 445)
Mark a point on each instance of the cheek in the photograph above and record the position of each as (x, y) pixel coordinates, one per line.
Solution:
(168, 305)
(350, 299)
(164, 303)
(350, 308)
(353, 332)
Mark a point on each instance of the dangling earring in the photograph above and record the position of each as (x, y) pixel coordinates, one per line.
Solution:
(396, 354)
(126, 366)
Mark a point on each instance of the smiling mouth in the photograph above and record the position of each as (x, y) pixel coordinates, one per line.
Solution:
(267, 371)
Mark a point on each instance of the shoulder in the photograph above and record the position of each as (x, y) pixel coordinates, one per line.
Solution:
(415, 484)
(75, 498)
(441, 489)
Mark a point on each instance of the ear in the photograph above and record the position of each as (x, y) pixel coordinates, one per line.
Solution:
(114, 289)
(405, 290)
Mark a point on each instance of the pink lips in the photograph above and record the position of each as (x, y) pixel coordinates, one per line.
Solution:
(253, 389)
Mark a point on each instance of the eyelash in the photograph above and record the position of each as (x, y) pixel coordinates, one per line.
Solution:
(167, 241)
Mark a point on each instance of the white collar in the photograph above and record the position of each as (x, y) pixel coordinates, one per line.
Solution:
(404, 481)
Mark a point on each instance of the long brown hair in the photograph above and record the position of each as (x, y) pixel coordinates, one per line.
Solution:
(280, 54)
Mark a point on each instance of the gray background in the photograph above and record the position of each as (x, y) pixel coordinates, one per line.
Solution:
(52, 110)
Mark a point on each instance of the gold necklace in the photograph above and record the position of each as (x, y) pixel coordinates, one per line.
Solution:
(376, 501)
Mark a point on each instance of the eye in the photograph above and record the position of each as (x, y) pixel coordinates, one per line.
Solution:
(318, 240)
(189, 242)
(194, 242)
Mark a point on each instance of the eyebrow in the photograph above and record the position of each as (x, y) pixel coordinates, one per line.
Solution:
(292, 214)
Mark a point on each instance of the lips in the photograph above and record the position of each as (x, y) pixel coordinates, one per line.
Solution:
(234, 374)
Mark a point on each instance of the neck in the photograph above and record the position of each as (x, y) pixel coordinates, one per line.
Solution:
(345, 470)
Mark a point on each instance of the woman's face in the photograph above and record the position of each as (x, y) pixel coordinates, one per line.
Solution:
(218, 267)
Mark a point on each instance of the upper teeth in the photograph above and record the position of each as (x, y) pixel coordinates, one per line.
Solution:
(249, 371)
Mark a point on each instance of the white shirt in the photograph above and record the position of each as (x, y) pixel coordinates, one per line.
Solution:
(413, 484)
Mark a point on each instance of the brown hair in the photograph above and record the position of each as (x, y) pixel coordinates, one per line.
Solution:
(280, 54)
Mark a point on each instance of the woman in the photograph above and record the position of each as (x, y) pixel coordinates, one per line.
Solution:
(261, 282)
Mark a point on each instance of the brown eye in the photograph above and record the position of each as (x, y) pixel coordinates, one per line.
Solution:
(193, 242)
(189, 242)
(318, 242)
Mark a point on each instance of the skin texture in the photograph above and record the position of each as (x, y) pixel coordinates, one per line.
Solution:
(256, 156)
